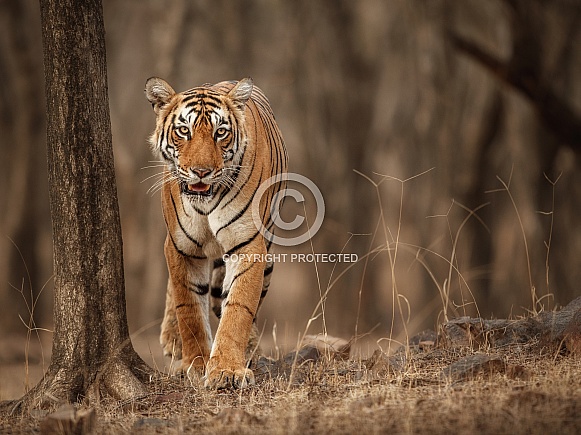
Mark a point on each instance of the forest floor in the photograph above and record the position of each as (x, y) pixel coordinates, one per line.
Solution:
(438, 383)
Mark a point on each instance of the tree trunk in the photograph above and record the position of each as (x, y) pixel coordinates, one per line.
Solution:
(92, 351)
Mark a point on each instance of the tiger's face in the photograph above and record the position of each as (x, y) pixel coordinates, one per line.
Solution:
(199, 135)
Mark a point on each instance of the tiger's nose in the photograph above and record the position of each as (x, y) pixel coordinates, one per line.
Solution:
(201, 172)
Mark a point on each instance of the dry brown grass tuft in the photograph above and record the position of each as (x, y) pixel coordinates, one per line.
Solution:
(532, 391)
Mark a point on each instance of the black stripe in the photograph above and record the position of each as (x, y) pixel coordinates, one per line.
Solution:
(236, 171)
(164, 154)
(201, 212)
(218, 262)
(228, 155)
(190, 111)
(183, 306)
(263, 293)
(212, 105)
(172, 121)
(200, 289)
(162, 136)
(270, 225)
(238, 215)
(268, 270)
(182, 252)
(190, 238)
(164, 139)
(242, 245)
(200, 98)
(239, 274)
(237, 304)
(215, 201)
(176, 246)
(235, 177)
(216, 292)
(202, 105)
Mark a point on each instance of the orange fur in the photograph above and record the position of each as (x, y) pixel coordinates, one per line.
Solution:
(219, 143)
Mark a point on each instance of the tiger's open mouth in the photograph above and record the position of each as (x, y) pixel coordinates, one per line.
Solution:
(201, 189)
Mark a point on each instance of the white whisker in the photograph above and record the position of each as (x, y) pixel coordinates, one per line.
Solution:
(165, 178)
(160, 165)
(155, 164)
(228, 182)
(159, 174)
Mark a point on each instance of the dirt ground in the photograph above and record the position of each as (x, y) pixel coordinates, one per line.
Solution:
(426, 388)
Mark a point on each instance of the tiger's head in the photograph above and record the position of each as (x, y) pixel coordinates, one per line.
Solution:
(199, 134)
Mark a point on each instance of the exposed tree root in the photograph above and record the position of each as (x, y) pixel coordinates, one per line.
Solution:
(122, 383)
(123, 379)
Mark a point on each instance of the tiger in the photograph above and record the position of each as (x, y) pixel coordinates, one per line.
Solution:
(218, 144)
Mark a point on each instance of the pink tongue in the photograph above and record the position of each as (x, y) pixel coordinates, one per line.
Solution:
(198, 187)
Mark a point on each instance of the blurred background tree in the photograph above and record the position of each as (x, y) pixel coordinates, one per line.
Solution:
(484, 93)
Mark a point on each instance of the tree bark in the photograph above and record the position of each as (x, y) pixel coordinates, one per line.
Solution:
(92, 351)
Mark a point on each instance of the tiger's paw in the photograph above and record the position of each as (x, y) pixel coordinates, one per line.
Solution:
(171, 343)
(193, 370)
(194, 374)
(175, 367)
(220, 379)
(173, 350)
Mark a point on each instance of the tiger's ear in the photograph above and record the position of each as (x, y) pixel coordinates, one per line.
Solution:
(158, 92)
(240, 93)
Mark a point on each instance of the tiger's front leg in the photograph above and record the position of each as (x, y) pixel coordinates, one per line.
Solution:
(188, 279)
(243, 284)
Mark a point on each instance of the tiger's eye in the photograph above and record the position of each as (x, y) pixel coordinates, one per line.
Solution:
(183, 130)
(221, 132)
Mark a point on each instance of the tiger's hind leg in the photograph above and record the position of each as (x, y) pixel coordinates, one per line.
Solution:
(170, 339)
(218, 273)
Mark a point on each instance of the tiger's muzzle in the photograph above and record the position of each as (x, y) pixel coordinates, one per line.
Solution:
(197, 189)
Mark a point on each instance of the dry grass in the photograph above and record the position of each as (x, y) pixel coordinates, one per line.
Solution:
(537, 393)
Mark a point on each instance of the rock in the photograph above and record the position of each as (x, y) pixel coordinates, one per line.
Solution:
(305, 354)
(68, 420)
(330, 346)
(467, 331)
(557, 325)
(314, 349)
(472, 366)
(424, 340)
(551, 328)
(382, 365)
(572, 334)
